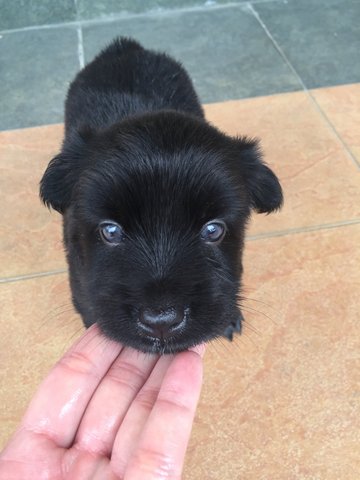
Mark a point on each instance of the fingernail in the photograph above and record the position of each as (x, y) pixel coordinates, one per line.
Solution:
(199, 349)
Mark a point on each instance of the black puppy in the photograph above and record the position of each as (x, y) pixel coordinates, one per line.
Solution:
(155, 203)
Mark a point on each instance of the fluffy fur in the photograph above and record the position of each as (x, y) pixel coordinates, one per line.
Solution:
(138, 151)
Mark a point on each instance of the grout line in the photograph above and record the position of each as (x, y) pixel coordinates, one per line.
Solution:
(49, 26)
(80, 47)
(297, 230)
(254, 2)
(110, 18)
(40, 125)
(306, 90)
(333, 128)
(276, 45)
(32, 275)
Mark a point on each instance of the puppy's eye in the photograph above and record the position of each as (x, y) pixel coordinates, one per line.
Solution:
(213, 232)
(111, 233)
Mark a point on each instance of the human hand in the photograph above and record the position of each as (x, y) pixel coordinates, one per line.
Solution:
(107, 412)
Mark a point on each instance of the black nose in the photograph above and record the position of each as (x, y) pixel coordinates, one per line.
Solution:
(161, 323)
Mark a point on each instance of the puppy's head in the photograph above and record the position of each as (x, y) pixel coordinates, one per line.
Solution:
(154, 215)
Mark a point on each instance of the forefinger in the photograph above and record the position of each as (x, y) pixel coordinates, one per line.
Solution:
(60, 402)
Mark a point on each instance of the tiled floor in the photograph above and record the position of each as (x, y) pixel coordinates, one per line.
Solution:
(283, 401)
(232, 50)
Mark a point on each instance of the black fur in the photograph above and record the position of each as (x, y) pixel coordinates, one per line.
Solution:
(138, 151)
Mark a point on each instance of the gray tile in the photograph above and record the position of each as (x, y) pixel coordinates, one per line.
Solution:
(24, 13)
(321, 38)
(36, 67)
(226, 52)
(89, 9)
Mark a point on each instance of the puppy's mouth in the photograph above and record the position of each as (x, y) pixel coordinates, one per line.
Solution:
(157, 331)
(162, 346)
(166, 346)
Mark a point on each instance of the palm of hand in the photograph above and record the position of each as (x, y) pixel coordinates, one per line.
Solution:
(107, 412)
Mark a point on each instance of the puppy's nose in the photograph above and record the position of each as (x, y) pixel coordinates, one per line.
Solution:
(161, 323)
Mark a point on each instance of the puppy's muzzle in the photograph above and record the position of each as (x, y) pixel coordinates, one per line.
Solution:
(162, 323)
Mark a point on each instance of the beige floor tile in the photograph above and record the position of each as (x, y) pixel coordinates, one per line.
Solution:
(37, 323)
(30, 236)
(280, 403)
(321, 183)
(342, 107)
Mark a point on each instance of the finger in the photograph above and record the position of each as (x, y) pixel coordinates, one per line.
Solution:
(162, 445)
(138, 413)
(59, 404)
(112, 399)
(137, 416)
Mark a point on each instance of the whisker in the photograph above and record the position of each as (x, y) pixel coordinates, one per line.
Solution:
(215, 344)
(102, 340)
(249, 337)
(252, 299)
(259, 312)
(67, 304)
(55, 310)
(76, 333)
(56, 316)
(251, 327)
(226, 344)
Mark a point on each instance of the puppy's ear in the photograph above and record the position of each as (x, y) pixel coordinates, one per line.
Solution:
(62, 174)
(262, 184)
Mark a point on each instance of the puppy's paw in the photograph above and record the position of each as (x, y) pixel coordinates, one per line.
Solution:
(234, 327)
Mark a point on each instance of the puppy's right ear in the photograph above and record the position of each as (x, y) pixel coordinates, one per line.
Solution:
(62, 174)
(57, 184)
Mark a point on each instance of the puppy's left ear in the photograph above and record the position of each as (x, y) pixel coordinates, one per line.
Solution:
(263, 186)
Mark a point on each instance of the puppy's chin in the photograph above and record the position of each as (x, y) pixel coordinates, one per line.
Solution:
(148, 344)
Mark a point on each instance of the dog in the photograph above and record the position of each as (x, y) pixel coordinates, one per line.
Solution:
(155, 203)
